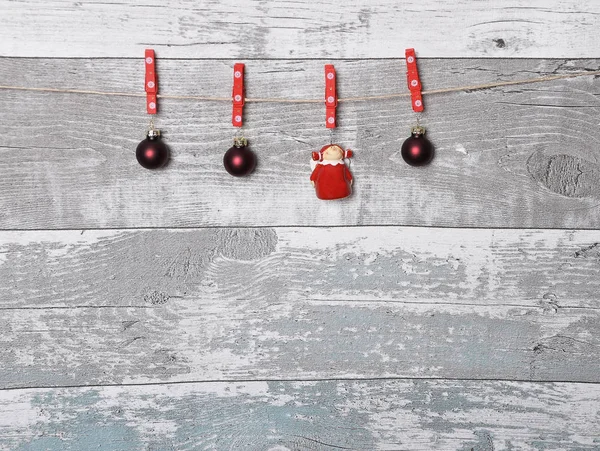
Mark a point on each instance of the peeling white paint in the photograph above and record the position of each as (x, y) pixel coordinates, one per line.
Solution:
(461, 149)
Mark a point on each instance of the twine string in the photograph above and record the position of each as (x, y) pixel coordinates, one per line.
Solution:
(283, 100)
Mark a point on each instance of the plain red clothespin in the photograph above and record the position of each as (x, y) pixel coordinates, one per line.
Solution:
(414, 82)
(151, 82)
(331, 99)
(238, 95)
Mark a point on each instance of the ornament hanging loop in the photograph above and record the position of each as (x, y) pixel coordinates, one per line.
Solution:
(152, 133)
(238, 139)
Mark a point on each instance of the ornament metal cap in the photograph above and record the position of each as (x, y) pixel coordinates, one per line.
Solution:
(417, 130)
(153, 134)
(240, 141)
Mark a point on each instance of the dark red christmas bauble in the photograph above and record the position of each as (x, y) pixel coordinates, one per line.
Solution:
(417, 150)
(152, 153)
(239, 161)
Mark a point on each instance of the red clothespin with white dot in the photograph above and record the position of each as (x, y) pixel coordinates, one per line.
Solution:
(238, 95)
(331, 99)
(151, 82)
(414, 82)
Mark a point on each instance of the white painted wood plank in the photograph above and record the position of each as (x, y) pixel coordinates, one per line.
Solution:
(528, 268)
(111, 307)
(203, 340)
(513, 157)
(300, 28)
(285, 416)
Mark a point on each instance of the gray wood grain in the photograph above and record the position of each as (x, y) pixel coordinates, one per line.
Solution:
(513, 157)
(196, 340)
(119, 268)
(299, 338)
(300, 28)
(111, 307)
(324, 415)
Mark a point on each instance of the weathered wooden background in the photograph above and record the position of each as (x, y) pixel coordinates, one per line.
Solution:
(186, 309)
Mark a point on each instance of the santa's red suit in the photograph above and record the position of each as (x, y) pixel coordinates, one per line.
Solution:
(332, 179)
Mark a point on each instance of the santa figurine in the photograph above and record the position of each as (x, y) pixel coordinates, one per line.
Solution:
(330, 176)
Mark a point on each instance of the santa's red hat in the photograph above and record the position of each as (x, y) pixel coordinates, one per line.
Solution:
(318, 156)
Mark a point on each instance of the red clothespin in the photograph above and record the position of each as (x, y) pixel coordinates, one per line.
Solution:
(414, 82)
(331, 99)
(238, 95)
(151, 82)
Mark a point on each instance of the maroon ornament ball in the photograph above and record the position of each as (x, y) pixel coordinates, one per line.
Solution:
(239, 160)
(152, 152)
(417, 150)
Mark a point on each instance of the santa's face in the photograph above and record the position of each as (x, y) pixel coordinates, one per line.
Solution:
(333, 153)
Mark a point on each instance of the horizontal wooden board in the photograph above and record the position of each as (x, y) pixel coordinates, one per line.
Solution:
(199, 340)
(520, 156)
(109, 307)
(124, 268)
(285, 416)
(300, 28)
